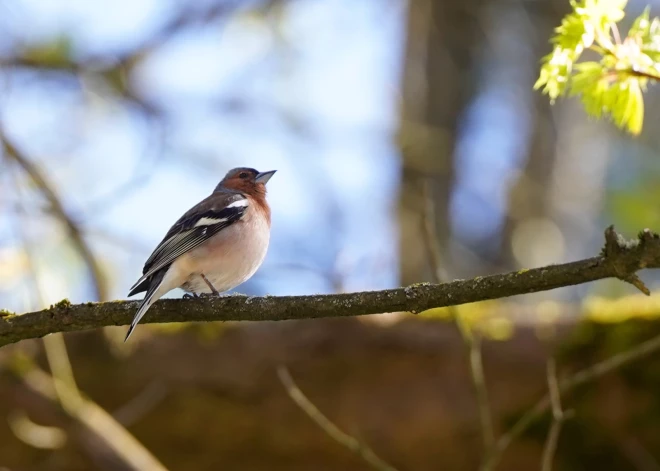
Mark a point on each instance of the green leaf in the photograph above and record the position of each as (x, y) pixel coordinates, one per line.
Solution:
(632, 117)
(647, 32)
(555, 73)
(574, 34)
(612, 86)
(589, 83)
(602, 12)
(642, 23)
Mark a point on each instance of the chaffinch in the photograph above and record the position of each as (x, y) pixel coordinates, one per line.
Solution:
(215, 246)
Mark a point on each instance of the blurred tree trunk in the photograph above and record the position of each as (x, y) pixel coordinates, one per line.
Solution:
(439, 82)
(530, 195)
(437, 85)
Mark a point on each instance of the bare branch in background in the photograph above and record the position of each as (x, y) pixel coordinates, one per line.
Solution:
(471, 338)
(620, 262)
(95, 272)
(113, 71)
(144, 402)
(63, 382)
(558, 417)
(582, 377)
(35, 435)
(357, 447)
(90, 415)
(641, 458)
(54, 345)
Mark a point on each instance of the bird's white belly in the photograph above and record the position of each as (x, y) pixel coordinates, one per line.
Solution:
(229, 258)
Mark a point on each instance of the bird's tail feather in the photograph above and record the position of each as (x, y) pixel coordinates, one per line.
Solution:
(139, 287)
(154, 284)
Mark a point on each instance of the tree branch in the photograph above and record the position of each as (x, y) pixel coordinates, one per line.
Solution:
(558, 417)
(580, 378)
(619, 259)
(47, 190)
(64, 387)
(89, 414)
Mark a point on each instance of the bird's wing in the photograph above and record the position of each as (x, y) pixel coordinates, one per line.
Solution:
(198, 225)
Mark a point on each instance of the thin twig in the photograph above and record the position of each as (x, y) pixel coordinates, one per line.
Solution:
(582, 377)
(63, 381)
(479, 381)
(35, 435)
(558, 417)
(54, 345)
(431, 235)
(60, 367)
(96, 274)
(327, 426)
(608, 50)
(638, 456)
(471, 338)
(90, 415)
(144, 402)
(634, 71)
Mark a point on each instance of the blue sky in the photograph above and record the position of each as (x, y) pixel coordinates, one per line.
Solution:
(319, 89)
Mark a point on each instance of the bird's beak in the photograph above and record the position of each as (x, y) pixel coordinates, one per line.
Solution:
(263, 177)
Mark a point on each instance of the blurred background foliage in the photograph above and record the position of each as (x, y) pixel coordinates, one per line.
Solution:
(116, 117)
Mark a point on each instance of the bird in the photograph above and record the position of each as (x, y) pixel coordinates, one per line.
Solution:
(215, 246)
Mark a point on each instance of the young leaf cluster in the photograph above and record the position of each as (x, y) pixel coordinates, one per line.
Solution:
(612, 84)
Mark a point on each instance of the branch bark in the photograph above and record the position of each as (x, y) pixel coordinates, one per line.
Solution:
(619, 258)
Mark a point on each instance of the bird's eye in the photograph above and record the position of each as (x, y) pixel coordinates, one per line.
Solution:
(243, 175)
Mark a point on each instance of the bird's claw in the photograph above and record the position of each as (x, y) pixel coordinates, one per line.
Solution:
(201, 295)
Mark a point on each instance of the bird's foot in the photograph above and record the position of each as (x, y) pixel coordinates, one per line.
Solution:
(214, 291)
(202, 295)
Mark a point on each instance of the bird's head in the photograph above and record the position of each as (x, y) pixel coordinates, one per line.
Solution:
(246, 180)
